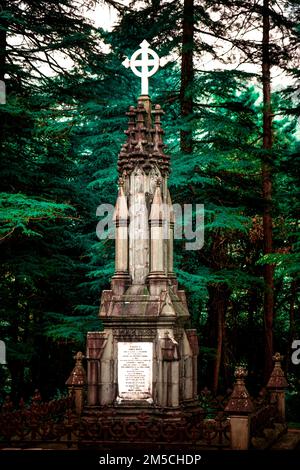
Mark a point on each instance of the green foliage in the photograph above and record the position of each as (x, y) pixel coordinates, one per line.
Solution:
(18, 210)
(72, 328)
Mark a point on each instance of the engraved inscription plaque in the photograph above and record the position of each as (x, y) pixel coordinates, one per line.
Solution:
(135, 370)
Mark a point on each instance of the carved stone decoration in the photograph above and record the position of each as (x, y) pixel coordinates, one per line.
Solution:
(134, 333)
(240, 401)
(77, 376)
(167, 307)
(105, 302)
(169, 347)
(144, 144)
(76, 383)
(277, 385)
(193, 340)
(277, 379)
(96, 342)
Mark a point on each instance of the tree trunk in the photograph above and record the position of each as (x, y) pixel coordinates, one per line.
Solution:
(220, 335)
(187, 74)
(267, 193)
(217, 307)
(254, 349)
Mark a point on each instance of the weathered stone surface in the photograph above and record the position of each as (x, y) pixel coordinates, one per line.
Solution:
(77, 381)
(277, 379)
(240, 401)
(78, 375)
(144, 143)
(240, 432)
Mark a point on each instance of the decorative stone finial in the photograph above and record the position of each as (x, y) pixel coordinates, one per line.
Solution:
(277, 357)
(240, 401)
(121, 209)
(144, 64)
(240, 373)
(277, 379)
(144, 145)
(77, 376)
(131, 121)
(79, 356)
(157, 211)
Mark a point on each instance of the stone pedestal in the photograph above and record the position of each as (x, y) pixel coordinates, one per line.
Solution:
(162, 361)
(240, 407)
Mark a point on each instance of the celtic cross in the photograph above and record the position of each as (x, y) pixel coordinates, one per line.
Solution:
(144, 63)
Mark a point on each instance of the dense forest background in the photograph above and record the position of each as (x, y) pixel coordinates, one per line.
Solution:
(229, 88)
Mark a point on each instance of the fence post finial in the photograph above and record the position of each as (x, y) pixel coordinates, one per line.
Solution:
(240, 407)
(77, 381)
(277, 384)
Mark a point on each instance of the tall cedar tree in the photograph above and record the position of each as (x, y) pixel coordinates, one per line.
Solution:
(40, 202)
(267, 191)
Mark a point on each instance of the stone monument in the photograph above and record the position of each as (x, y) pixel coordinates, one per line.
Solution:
(146, 357)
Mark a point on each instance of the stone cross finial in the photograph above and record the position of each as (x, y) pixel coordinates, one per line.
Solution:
(144, 63)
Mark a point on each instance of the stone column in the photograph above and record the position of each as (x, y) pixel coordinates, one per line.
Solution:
(170, 236)
(187, 369)
(170, 367)
(277, 385)
(240, 407)
(147, 104)
(77, 381)
(156, 232)
(121, 277)
(193, 341)
(121, 221)
(138, 228)
(157, 277)
(95, 344)
(108, 376)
